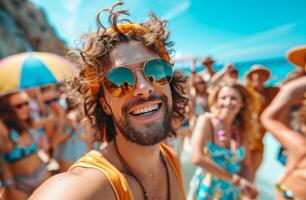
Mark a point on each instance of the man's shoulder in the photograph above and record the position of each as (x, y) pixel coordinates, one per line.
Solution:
(79, 183)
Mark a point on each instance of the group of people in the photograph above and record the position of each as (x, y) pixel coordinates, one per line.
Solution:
(228, 120)
(108, 133)
(40, 135)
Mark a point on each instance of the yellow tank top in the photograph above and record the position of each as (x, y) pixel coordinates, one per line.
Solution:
(94, 159)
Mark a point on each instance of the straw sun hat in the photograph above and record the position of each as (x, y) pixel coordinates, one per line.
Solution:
(208, 60)
(297, 56)
(259, 69)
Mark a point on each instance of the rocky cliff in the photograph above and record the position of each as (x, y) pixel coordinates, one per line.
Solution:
(23, 27)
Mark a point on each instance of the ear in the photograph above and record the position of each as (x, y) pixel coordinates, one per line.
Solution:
(105, 106)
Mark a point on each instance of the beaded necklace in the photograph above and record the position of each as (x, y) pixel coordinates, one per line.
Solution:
(131, 173)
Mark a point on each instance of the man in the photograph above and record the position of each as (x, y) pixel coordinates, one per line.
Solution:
(256, 78)
(208, 72)
(228, 74)
(130, 94)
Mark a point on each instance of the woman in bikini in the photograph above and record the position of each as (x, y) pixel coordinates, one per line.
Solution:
(292, 184)
(220, 143)
(18, 149)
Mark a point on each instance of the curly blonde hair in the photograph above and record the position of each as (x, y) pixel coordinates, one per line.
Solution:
(92, 61)
(246, 119)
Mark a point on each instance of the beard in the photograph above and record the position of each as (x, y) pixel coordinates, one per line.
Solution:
(154, 132)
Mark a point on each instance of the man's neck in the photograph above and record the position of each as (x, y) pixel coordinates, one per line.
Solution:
(143, 160)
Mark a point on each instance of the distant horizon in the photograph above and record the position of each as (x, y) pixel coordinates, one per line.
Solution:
(279, 68)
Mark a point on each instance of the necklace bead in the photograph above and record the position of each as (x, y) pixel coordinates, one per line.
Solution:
(131, 173)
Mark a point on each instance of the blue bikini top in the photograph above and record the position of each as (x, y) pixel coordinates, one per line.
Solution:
(18, 152)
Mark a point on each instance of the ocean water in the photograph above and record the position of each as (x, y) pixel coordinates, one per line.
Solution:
(279, 68)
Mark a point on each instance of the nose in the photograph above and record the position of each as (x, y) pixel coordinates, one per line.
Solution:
(24, 107)
(227, 101)
(142, 86)
(24, 110)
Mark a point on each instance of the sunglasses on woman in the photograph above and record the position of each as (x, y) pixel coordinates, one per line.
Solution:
(49, 101)
(120, 81)
(21, 105)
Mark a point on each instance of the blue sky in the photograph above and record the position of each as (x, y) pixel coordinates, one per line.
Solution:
(230, 31)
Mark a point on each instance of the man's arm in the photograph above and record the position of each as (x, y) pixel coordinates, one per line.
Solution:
(79, 184)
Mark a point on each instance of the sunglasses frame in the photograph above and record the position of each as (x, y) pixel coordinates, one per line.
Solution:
(21, 105)
(48, 102)
(142, 71)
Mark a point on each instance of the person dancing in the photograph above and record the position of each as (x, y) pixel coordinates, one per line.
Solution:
(225, 134)
(292, 184)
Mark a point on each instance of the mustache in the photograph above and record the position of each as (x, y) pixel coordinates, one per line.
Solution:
(138, 101)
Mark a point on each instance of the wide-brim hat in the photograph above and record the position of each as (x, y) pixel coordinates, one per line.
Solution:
(208, 60)
(297, 56)
(260, 69)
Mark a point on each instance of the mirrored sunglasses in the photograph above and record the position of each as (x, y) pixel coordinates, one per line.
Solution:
(120, 81)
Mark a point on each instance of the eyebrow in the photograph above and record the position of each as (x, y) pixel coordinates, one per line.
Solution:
(136, 62)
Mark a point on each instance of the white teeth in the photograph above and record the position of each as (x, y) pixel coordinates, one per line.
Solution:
(145, 109)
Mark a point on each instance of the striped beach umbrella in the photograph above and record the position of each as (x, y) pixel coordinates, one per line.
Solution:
(32, 69)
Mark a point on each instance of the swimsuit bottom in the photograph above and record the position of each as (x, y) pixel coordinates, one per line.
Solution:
(29, 182)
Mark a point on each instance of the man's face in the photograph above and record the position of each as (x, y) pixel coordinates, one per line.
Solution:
(143, 116)
(208, 66)
(258, 80)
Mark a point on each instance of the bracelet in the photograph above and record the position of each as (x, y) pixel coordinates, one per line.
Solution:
(7, 183)
(236, 180)
(242, 185)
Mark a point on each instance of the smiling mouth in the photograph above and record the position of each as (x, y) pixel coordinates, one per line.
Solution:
(145, 111)
(227, 108)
